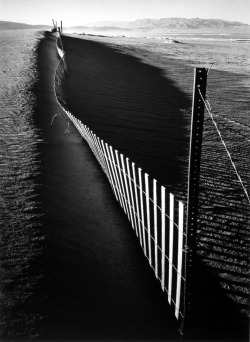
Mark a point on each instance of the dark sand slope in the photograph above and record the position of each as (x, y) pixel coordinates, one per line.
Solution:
(99, 283)
(130, 105)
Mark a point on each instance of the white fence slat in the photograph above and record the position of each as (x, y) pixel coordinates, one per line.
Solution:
(88, 132)
(121, 183)
(126, 188)
(79, 124)
(85, 132)
(117, 179)
(88, 138)
(142, 210)
(94, 145)
(163, 237)
(81, 129)
(180, 255)
(109, 170)
(76, 124)
(98, 151)
(171, 242)
(137, 203)
(103, 158)
(148, 218)
(131, 196)
(108, 160)
(91, 141)
(112, 164)
(155, 226)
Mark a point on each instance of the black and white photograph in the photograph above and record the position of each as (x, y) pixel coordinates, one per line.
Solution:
(124, 170)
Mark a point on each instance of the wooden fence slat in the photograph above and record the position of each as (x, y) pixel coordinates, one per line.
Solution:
(155, 226)
(110, 174)
(90, 141)
(171, 242)
(127, 192)
(82, 128)
(112, 164)
(79, 127)
(109, 170)
(98, 151)
(85, 131)
(148, 218)
(137, 203)
(117, 178)
(75, 123)
(180, 256)
(93, 144)
(88, 138)
(121, 183)
(132, 197)
(142, 210)
(103, 158)
(163, 237)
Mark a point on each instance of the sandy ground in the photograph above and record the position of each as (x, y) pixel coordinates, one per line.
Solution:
(83, 260)
(21, 236)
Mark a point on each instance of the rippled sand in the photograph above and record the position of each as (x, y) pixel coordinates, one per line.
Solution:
(20, 213)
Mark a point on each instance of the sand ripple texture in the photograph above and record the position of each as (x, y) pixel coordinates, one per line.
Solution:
(21, 242)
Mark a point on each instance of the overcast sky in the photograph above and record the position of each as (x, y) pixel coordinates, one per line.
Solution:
(80, 12)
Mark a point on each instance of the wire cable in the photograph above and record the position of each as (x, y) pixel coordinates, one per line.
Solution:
(207, 105)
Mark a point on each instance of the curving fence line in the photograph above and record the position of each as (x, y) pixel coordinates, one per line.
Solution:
(156, 217)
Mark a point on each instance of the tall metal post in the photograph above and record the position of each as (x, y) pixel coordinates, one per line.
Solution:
(61, 28)
(200, 82)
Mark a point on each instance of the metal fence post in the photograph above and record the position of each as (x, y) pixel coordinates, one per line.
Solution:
(200, 81)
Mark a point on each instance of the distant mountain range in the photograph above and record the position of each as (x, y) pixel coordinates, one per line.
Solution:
(170, 23)
(9, 25)
(149, 24)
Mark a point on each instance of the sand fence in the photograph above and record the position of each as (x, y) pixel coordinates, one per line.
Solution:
(156, 217)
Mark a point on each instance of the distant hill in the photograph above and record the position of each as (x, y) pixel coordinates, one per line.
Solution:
(172, 23)
(9, 25)
(98, 28)
(164, 23)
